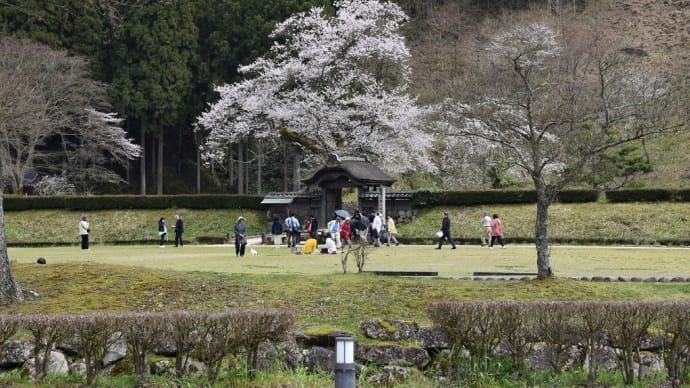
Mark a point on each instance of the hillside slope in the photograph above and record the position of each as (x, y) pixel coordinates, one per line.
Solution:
(443, 35)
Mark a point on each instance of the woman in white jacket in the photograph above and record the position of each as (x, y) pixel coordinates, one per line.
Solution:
(84, 232)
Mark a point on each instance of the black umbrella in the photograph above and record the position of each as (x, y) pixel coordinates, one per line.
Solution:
(342, 213)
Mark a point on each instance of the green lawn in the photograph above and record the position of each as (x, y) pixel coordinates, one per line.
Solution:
(148, 278)
(565, 260)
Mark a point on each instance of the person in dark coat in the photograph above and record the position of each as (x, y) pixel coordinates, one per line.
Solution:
(179, 229)
(313, 227)
(240, 237)
(277, 231)
(445, 229)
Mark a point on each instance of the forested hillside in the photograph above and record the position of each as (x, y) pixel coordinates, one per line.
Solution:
(160, 62)
(444, 37)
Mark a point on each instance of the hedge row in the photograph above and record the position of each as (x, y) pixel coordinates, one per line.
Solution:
(627, 326)
(419, 199)
(206, 336)
(108, 202)
(649, 195)
(469, 198)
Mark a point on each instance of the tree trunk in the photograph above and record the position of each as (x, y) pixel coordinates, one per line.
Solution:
(240, 167)
(10, 293)
(296, 172)
(541, 232)
(159, 167)
(285, 167)
(198, 162)
(142, 167)
(259, 164)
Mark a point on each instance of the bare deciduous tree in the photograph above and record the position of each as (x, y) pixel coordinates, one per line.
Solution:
(10, 293)
(550, 99)
(47, 95)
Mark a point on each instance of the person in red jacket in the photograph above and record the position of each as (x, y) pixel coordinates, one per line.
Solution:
(497, 232)
(345, 236)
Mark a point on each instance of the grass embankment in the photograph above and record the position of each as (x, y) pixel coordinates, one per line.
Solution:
(143, 277)
(147, 278)
(598, 223)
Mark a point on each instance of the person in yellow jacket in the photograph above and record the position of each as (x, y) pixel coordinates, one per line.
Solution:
(392, 231)
(309, 246)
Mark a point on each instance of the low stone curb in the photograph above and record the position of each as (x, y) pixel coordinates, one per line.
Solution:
(597, 278)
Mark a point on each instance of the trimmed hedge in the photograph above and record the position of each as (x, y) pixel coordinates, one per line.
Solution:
(648, 195)
(477, 197)
(420, 198)
(110, 202)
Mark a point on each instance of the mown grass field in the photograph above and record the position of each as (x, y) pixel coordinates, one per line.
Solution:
(144, 277)
(148, 278)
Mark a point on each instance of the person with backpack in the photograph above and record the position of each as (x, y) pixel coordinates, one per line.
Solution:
(292, 230)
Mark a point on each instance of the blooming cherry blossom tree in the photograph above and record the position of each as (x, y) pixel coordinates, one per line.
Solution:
(330, 85)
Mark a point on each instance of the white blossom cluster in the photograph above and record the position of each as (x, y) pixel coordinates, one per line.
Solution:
(339, 83)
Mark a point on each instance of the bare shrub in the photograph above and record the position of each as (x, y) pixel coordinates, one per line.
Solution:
(214, 342)
(142, 332)
(674, 322)
(516, 327)
(556, 324)
(183, 327)
(250, 328)
(8, 327)
(595, 323)
(473, 325)
(630, 322)
(47, 331)
(91, 336)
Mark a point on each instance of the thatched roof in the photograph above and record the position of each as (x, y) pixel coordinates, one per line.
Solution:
(358, 172)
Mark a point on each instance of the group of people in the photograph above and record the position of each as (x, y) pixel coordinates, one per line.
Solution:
(339, 232)
(163, 231)
(491, 231)
(85, 230)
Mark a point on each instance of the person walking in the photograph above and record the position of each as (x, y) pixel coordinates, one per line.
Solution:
(293, 233)
(334, 230)
(345, 235)
(376, 225)
(162, 232)
(497, 232)
(179, 229)
(486, 229)
(240, 237)
(277, 231)
(392, 231)
(84, 231)
(445, 229)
